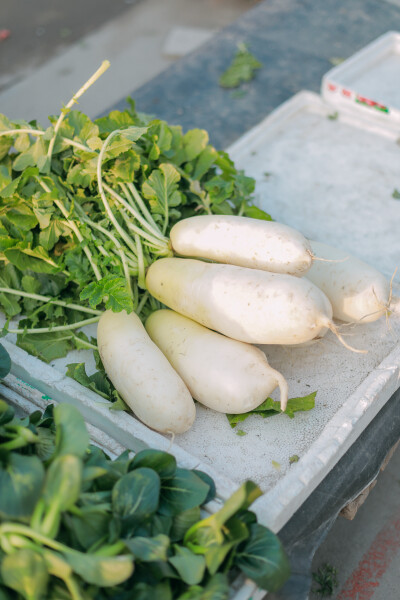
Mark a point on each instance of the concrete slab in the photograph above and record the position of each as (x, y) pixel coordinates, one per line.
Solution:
(133, 42)
(40, 30)
(182, 40)
(366, 551)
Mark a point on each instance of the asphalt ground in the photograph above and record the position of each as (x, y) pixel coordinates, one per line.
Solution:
(41, 29)
(50, 51)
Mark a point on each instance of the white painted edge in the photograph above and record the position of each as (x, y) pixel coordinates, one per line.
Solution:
(333, 442)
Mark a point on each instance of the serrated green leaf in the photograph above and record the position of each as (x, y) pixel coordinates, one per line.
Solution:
(115, 120)
(79, 176)
(118, 403)
(219, 189)
(46, 346)
(242, 68)
(161, 189)
(112, 290)
(30, 158)
(272, 407)
(49, 236)
(97, 382)
(36, 259)
(133, 133)
(22, 216)
(125, 166)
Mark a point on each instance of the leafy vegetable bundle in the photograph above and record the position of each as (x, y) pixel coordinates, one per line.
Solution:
(86, 206)
(76, 525)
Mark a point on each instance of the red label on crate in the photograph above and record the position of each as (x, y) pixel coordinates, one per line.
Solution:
(332, 87)
(372, 104)
(346, 93)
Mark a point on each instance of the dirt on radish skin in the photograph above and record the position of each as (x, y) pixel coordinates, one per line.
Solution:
(248, 305)
(357, 291)
(142, 375)
(224, 374)
(236, 240)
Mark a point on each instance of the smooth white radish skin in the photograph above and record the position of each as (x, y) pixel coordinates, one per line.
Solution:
(142, 375)
(357, 291)
(242, 241)
(223, 374)
(249, 305)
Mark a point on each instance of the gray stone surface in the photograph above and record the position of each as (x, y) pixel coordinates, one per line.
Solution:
(41, 29)
(294, 39)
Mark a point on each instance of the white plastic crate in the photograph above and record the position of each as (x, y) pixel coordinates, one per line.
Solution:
(369, 80)
(331, 179)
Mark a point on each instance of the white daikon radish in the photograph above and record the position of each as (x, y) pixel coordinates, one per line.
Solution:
(357, 291)
(221, 373)
(242, 241)
(249, 305)
(142, 375)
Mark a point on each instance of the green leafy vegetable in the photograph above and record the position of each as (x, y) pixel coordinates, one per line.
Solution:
(263, 559)
(47, 346)
(135, 496)
(86, 206)
(149, 549)
(326, 578)
(21, 481)
(243, 68)
(75, 524)
(5, 362)
(271, 407)
(26, 572)
(111, 290)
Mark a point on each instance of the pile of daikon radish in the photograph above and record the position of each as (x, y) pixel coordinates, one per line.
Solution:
(260, 282)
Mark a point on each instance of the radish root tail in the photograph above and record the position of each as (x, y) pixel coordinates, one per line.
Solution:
(283, 388)
(330, 260)
(171, 442)
(391, 306)
(335, 330)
